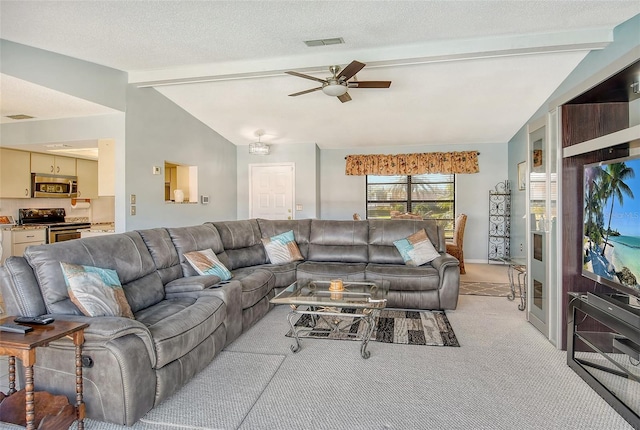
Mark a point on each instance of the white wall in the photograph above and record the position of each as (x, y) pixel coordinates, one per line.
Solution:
(343, 195)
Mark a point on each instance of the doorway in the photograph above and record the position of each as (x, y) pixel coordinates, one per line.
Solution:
(271, 190)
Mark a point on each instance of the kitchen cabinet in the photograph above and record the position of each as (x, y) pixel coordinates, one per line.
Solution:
(20, 239)
(15, 174)
(53, 164)
(87, 171)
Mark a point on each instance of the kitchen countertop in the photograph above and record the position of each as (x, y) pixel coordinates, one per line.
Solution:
(21, 227)
(102, 227)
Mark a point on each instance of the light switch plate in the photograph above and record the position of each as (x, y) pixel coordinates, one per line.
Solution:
(298, 207)
(204, 200)
(156, 170)
(133, 210)
(132, 199)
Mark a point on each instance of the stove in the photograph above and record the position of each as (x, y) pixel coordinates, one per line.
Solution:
(58, 228)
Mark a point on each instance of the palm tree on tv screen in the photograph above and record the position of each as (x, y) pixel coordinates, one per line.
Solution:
(614, 176)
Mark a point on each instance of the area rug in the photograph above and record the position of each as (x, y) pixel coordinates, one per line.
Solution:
(485, 289)
(392, 326)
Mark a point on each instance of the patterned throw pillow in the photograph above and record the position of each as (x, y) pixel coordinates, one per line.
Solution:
(282, 248)
(416, 249)
(96, 292)
(206, 262)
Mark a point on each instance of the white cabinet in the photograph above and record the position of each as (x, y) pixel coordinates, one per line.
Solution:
(21, 239)
(53, 164)
(15, 174)
(87, 178)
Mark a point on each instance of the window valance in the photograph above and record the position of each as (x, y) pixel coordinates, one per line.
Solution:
(413, 164)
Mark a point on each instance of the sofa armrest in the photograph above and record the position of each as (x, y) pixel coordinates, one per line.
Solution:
(442, 263)
(104, 329)
(191, 283)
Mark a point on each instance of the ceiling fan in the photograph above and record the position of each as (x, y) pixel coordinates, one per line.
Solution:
(338, 84)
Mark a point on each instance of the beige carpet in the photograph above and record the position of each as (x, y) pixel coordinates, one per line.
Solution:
(485, 280)
(492, 273)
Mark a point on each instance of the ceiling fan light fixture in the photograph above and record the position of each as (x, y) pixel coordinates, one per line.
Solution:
(334, 89)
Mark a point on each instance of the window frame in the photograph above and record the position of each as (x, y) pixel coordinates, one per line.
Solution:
(410, 202)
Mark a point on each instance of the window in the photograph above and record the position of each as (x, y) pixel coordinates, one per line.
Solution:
(430, 195)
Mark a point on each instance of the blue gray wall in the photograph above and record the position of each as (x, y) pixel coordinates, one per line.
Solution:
(344, 195)
(157, 130)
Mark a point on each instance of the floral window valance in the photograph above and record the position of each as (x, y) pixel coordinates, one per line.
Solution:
(413, 164)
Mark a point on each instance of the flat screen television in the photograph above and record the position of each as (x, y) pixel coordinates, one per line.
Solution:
(611, 224)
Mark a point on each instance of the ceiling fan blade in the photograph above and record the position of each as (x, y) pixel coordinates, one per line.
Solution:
(353, 68)
(305, 92)
(301, 75)
(344, 98)
(369, 84)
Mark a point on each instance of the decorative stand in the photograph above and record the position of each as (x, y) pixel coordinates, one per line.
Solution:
(499, 222)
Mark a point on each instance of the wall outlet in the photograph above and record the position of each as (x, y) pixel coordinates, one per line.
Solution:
(521, 248)
(133, 209)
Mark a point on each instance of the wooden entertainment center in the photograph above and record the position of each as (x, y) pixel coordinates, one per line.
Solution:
(598, 125)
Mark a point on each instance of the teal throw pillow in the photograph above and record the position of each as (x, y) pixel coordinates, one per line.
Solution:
(206, 262)
(96, 292)
(282, 248)
(416, 249)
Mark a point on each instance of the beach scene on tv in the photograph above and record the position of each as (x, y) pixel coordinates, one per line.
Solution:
(612, 222)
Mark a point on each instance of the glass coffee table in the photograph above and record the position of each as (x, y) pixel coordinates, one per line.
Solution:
(323, 300)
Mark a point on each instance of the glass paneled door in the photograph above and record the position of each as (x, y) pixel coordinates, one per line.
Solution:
(542, 210)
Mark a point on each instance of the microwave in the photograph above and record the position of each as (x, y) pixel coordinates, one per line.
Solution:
(56, 186)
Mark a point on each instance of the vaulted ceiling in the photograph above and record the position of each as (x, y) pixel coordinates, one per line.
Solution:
(462, 71)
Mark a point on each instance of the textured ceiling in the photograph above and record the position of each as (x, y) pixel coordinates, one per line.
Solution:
(462, 72)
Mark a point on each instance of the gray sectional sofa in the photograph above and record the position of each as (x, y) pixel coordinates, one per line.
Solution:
(182, 319)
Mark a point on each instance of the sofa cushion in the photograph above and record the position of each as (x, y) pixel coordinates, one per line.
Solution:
(282, 248)
(256, 284)
(416, 249)
(205, 262)
(339, 241)
(301, 229)
(194, 238)
(178, 325)
(241, 241)
(163, 252)
(382, 234)
(405, 278)
(96, 292)
(329, 270)
(125, 253)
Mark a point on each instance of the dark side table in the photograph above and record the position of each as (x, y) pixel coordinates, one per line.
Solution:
(23, 346)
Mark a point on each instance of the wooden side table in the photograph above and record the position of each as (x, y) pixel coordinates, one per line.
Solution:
(24, 346)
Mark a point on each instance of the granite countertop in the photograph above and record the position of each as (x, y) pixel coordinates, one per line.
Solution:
(21, 227)
(102, 227)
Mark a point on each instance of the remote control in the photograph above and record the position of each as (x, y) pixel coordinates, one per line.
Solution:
(34, 320)
(15, 328)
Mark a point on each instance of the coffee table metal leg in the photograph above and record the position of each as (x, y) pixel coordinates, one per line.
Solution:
(297, 346)
(369, 321)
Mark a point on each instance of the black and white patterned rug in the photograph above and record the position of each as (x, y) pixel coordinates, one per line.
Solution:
(392, 326)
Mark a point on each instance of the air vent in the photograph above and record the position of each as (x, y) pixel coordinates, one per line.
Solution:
(19, 116)
(324, 42)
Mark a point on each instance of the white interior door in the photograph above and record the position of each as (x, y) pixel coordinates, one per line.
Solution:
(271, 190)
